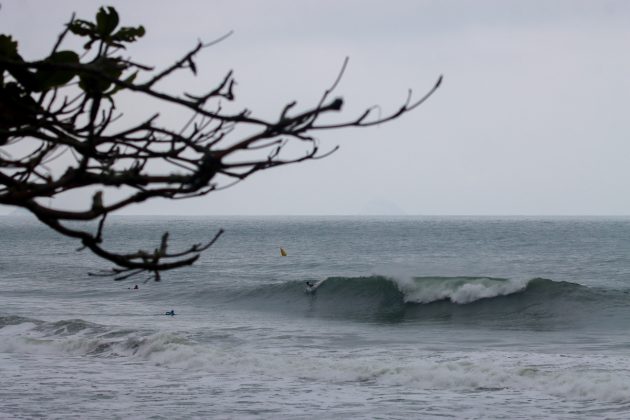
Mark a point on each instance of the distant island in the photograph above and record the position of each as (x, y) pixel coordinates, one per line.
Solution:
(381, 207)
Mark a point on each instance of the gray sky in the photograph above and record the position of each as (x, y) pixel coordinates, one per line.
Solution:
(532, 118)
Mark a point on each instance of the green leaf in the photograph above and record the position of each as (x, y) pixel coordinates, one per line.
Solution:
(95, 84)
(106, 21)
(8, 47)
(82, 28)
(64, 57)
(128, 34)
(48, 79)
(19, 106)
(23, 75)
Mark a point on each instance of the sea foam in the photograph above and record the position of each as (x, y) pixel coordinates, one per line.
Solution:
(602, 378)
(460, 290)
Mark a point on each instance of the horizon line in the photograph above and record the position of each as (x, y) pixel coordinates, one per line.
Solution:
(26, 213)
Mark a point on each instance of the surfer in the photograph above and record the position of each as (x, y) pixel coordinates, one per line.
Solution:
(171, 312)
(310, 287)
(313, 286)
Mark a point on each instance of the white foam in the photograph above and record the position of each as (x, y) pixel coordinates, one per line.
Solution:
(569, 377)
(16, 329)
(457, 290)
(575, 377)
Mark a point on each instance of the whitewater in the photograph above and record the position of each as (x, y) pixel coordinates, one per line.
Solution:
(422, 317)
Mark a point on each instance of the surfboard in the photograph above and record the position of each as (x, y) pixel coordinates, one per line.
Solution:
(315, 286)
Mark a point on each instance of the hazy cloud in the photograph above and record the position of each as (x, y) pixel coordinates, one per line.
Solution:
(531, 119)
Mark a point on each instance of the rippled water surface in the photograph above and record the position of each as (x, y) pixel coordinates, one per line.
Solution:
(414, 317)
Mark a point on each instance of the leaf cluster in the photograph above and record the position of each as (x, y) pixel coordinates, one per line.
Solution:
(102, 30)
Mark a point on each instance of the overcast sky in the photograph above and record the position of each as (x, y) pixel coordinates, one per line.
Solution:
(533, 117)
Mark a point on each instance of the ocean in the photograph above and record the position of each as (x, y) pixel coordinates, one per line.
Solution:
(417, 317)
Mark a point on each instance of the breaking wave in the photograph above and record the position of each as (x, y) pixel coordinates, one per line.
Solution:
(578, 377)
(535, 303)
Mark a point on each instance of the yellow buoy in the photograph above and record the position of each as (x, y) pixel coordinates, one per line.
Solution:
(283, 252)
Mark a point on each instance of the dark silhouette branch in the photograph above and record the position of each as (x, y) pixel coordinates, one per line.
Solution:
(67, 102)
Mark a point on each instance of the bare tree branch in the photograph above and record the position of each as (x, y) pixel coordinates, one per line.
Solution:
(67, 102)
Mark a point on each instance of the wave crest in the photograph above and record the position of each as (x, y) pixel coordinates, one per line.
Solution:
(485, 301)
(459, 290)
